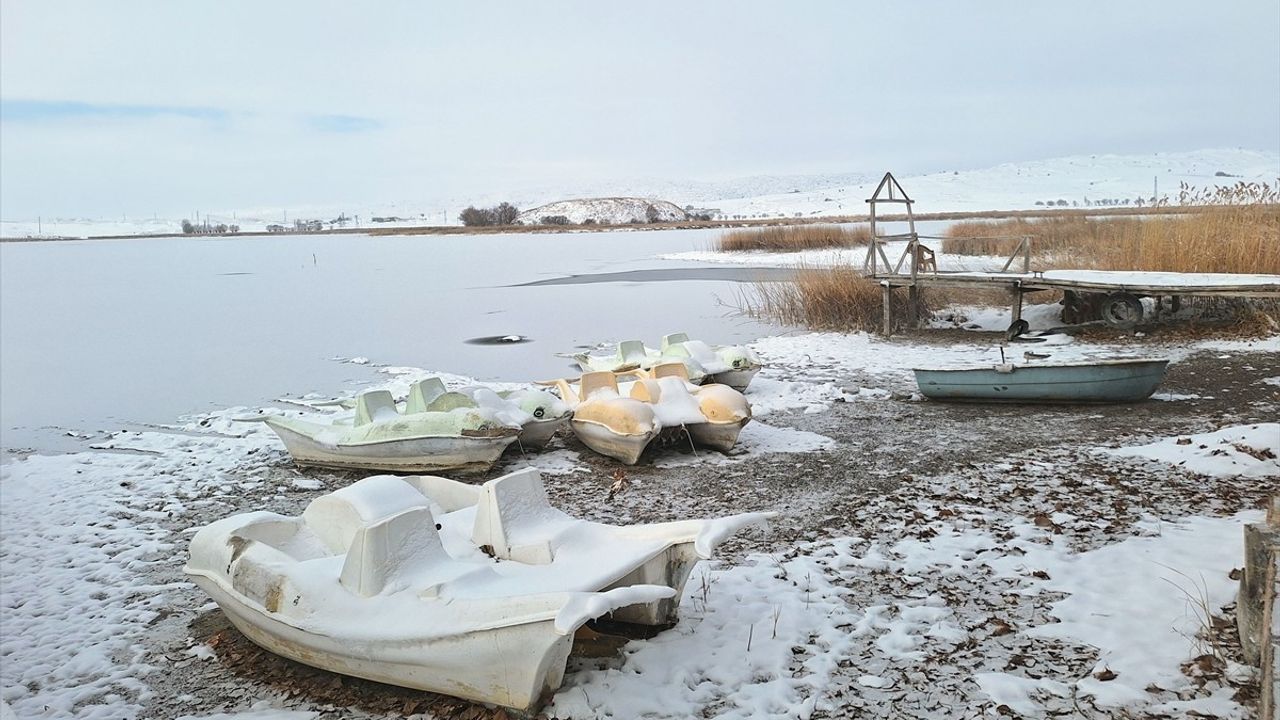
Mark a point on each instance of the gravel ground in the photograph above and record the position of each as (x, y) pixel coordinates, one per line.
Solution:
(900, 467)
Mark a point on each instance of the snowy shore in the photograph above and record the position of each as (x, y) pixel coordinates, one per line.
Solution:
(932, 560)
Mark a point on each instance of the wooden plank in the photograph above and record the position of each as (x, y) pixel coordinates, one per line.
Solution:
(888, 311)
(943, 279)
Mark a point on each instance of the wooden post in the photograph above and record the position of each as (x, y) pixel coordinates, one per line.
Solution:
(1015, 297)
(1256, 606)
(888, 309)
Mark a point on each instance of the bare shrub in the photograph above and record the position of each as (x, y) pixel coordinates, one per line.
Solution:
(502, 214)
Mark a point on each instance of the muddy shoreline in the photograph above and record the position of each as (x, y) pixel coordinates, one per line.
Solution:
(889, 459)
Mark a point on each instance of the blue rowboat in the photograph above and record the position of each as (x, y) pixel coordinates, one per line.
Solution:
(1107, 381)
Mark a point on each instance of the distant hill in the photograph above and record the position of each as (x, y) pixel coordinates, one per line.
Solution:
(603, 211)
(1078, 181)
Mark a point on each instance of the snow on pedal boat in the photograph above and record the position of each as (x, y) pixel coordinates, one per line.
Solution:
(452, 433)
(621, 419)
(510, 518)
(363, 583)
(732, 365)
(540, 413)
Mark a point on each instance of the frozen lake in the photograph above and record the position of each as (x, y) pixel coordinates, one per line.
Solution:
(100, 335)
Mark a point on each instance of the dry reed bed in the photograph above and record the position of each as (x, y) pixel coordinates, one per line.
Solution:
(793, 238)
(1239, 232)
(1235, 235)
(825, 298)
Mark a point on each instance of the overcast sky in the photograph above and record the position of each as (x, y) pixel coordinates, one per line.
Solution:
(142, 107)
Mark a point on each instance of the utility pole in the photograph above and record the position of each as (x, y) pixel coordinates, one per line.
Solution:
(1155, 189)
(39, 225)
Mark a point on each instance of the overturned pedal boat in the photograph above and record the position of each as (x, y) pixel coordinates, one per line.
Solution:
(621, 420)
(485, 608)
(451, 434)
(1107, 381)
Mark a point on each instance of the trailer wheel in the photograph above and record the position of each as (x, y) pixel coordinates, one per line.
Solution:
(1121, 310)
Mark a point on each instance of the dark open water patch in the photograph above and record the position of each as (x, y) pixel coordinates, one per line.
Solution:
(498, 340)
(729, 274)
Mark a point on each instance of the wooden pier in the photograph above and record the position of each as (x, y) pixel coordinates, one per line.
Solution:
(1116, 295)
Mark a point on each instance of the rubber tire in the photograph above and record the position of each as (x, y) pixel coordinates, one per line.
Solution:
(1016, 328)
(1122, 310)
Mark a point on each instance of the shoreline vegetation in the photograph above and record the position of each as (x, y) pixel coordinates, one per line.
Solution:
(1236, 231)
(688, 224)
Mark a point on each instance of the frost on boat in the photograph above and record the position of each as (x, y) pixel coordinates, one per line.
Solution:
(434, 430)
(732, 365)
(621, 419)
(538, 412)
(484, 608)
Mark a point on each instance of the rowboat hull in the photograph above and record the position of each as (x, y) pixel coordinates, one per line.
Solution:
(1115, 381)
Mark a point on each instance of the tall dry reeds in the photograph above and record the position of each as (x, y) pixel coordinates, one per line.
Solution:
(823, 298)
(793, 238)
(1237, 231)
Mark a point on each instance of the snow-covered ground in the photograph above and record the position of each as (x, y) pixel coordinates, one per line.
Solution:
(883, 619)
(1076, 181)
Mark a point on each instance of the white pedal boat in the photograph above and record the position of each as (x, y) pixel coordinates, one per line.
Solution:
(452, 433)
(539, 413)
(732, 365)
(363, 584)
(621, 419)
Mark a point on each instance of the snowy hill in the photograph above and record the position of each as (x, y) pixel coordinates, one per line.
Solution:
(604, 211)
(1079, 181)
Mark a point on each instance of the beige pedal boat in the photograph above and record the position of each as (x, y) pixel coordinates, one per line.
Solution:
(621, 419)
(732, 365)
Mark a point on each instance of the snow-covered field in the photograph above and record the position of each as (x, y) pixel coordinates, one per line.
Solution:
(1076, 181)
(880, 618)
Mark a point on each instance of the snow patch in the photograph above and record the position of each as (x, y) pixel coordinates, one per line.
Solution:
(1251, 450)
